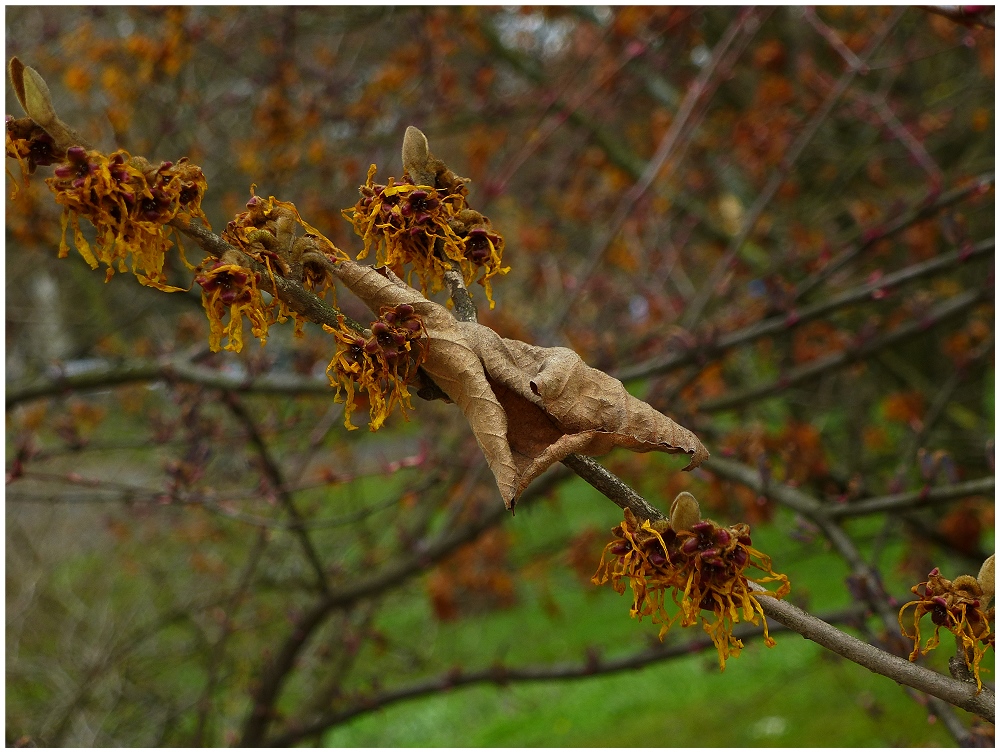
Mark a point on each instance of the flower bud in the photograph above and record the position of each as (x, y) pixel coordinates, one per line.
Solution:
(690, 546)
(621, 547)
(987, 579)
(684, 512)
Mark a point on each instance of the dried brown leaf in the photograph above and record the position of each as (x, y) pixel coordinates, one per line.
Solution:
(528, 406)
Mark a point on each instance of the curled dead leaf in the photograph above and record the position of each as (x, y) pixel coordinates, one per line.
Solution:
(528, 406)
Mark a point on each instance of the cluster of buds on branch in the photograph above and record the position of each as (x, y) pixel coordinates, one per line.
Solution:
(960, 606)
(381, 365)
(701, 563)
(267, 233)
(429, 226)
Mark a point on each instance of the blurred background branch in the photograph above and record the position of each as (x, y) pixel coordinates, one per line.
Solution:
(775, 225)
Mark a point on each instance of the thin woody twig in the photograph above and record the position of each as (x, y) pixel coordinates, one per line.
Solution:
(465, 309)
(906, 501)
(948, 689)
(611, 486)
(164, 369)
(745, 22)
(697, 306)
(800, 316)
(871, 236)
(277, 481)
(936, 315)
(593, 666)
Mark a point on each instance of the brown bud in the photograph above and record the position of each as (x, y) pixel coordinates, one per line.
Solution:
(33, 94)
(968, 584)
(416, 156)
(987, 579)
(684, 512)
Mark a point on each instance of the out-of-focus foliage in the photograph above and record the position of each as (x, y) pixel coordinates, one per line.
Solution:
(775, 225)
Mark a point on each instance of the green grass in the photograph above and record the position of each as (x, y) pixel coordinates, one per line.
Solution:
(795, 694)
(792, 695)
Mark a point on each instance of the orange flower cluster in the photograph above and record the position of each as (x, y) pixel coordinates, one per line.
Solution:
(381, 364)
(702, 568)
(129, 202)
(229, 287)
(958, 606)
(267, 233)
(432, 229)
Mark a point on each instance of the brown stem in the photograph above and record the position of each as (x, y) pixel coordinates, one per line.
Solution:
(920, 678)
(957, 693)
(611, 487)
(907, 501)
(291, 292)
(170, 370)
(465, 309)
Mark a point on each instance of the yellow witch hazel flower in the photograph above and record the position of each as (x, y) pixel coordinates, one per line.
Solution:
(381, 365)
(129, 202)
(960, 606)
(700, 563)
(432, 229)
(230, 288)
